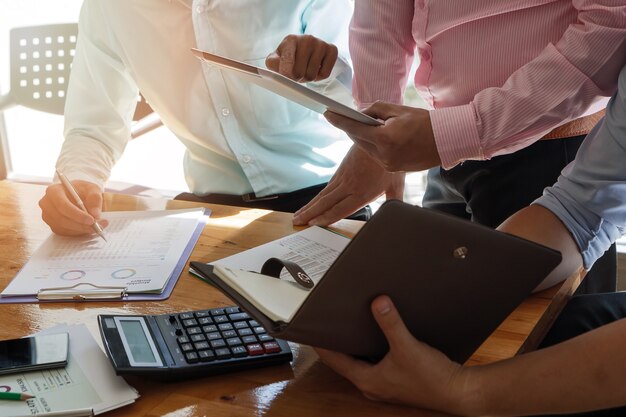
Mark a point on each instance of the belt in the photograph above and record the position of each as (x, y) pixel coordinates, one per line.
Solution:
(576, 127)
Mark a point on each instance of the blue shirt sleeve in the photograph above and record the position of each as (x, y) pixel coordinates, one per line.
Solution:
(590, 195)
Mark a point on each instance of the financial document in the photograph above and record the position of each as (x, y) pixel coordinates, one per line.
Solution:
(140, 254)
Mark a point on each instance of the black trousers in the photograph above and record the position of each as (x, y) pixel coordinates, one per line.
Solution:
(488, 192)
(287, 202)
(582, 314)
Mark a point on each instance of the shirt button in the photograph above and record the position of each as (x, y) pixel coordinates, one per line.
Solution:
(225, 112)
(425, 55)
(421, 4)
(199, 9)
(246, 159)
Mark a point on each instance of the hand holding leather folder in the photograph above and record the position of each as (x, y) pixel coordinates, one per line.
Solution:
(452, 281)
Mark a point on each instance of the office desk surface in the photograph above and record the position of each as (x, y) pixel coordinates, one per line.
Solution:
(306, 388)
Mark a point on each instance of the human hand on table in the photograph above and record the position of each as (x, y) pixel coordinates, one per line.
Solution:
(64, 217)
(358, 181)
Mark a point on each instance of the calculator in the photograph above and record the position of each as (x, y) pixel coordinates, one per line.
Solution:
(189, 344)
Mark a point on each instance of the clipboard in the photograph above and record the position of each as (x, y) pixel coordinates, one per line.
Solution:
(284, 87)
(90, 292)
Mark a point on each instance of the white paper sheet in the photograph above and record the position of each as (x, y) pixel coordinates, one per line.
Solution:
(142, 250)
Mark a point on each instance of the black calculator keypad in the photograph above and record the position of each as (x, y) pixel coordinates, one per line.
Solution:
(222, 333)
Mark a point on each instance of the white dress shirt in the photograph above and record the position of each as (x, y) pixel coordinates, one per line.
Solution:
(239, 138)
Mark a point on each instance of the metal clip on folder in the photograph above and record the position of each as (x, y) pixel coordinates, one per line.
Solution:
(78, 292)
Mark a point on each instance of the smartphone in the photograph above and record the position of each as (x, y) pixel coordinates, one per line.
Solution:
(34, 353)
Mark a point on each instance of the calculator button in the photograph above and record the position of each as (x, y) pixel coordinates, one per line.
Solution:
(185, 316)
(259, 329)
(192, 357)
(193, 330)
(265, 338)
(233, 341)
(225, 326)
(210, 328)
(201, 314)
(240, 325)
(199, 338)
(201, 345)
(255, 349)
(239, 316)
(231, 310)
(214, 336)
(186, 347)
(239, 351)
(172, 319)
(205, 320)
(253, 323)
(223, 353)
(271, 347)
(182, 339)
(190, 322)
(217, 343)
(220, 319)
(249, 339)
(217, 312)
(245, 332)
(229, 333)
(206, 355)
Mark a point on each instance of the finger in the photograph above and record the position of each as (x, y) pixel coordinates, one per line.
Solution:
(390, 323)
(303, 52)
(93, 203)
(328, 62)
(338, 211)
(356, 130)
(343, 364)
(287, 54)
(322, 202)
(312, 70)
(381, 110)
(272, 61)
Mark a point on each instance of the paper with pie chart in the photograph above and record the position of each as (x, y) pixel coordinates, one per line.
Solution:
(141, 251)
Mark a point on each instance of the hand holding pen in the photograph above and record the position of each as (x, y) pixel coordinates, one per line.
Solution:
(50, 212)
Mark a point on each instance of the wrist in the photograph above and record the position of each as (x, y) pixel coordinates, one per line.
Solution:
(467, 395)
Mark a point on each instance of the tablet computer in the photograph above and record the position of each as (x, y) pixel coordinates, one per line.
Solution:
(285, 87)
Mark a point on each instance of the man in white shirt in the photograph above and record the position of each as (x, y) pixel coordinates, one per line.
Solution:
(245, 146)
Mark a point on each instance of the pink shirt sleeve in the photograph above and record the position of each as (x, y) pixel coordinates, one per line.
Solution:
(558, 85)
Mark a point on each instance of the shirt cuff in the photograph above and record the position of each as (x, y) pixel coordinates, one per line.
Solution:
(456, 134)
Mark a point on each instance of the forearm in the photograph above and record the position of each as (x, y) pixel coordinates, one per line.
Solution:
(581, 374)
(538, 224)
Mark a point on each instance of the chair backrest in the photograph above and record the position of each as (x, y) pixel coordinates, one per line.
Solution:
(41, 59)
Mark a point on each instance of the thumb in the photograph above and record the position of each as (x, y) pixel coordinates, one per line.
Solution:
(381, 110)
(93, 203)
(390, 322)
(272, 61)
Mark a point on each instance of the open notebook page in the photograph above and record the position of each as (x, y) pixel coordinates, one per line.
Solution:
(279, 300)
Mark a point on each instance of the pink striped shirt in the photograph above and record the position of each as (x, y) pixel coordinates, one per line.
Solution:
(498, 74)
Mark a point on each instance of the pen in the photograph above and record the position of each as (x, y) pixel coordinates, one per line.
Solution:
(15, 396)
(80, 412)
(70, 189)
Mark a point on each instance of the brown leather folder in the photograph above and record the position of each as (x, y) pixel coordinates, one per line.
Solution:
(452, 281)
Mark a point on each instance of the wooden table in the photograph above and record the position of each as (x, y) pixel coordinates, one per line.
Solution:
(306, 388)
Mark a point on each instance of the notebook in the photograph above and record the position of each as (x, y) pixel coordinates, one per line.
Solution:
(285, 87)
(452, 281)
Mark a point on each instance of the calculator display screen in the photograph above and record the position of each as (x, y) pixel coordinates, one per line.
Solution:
(137, 341)
(138, 344)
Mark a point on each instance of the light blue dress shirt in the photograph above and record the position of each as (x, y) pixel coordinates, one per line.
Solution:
(239, 138)
(590, 195)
